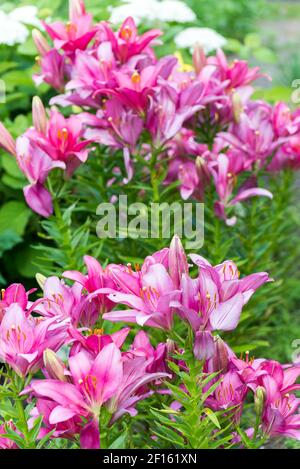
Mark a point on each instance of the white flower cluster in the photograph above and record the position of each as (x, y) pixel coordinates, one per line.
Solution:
(13, 28)
(153, 10)
(207, 38)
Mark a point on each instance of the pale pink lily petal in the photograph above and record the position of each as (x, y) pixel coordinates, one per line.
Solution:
(227, 315)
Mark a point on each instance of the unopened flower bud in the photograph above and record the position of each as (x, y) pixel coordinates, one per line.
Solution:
(39, 115)
(41, 279)
(40, 42)
(76, 9)
(54, 365)
(6, 141)
(177, 261)
(202, 170)
(220, 358)
(199, 58)
(237, 107)
(171, 347)
(259, 400)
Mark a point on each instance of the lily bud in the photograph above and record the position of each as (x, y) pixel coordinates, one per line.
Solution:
(177, 261)
(199, 58)
(259, 400)
(171, 347)
(54, 365)
(76, 9)
(41, 279)
(6, 140)
(220, 358)
(237, 107)
(203, 345)
(39, 115)
(202, 170)
(40, 42)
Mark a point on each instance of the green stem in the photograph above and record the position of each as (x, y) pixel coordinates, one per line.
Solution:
(21, 412)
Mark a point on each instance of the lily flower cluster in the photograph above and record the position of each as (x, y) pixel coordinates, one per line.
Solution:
(198, 121)
(98, 382)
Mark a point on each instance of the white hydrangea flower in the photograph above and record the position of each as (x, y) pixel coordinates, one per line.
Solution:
(153, 10)
(175, 11)
(27, 14)
(209, 39)
(12, 25)
(139, 10)
(11, 32)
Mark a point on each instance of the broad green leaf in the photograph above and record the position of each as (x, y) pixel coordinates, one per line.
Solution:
(120, 442)
(14, 216)
(8, 239)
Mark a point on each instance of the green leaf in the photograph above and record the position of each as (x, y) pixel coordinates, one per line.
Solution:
(36, 428)
(12, 182)
(26, 261)
(16, 78)
(212, 416)
(10, 165)
(8, 239)
(14, 216)
(120, 442)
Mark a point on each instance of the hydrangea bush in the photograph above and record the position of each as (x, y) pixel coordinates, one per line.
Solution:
(131, 343)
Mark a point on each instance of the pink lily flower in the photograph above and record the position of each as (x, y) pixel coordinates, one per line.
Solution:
(60, 138)
(96, 279)
(92, 73)
(171, 107)
(94, 343)
(231, 392)
(253, 135)
(63, 302)
(280, 415)
(238, 74)
(6, 141)
(115, 126)
(150, 304)
(7, 443)
(287, 126)
(150, 291)
(134, 88)
(53, 70)
(92, 383)
(126, 43)
(224, 168)
(23, 339)
(15, 293)
(156, 357)
(187, 165)
(219, 295)
(68, 429)
(36, 165)
(76, 34)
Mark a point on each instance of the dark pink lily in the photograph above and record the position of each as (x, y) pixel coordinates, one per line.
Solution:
(126, 42)
(135, 87)
(77, 33)
(61, 138)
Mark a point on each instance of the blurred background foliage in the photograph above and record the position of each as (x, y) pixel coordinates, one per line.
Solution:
(267, 34)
